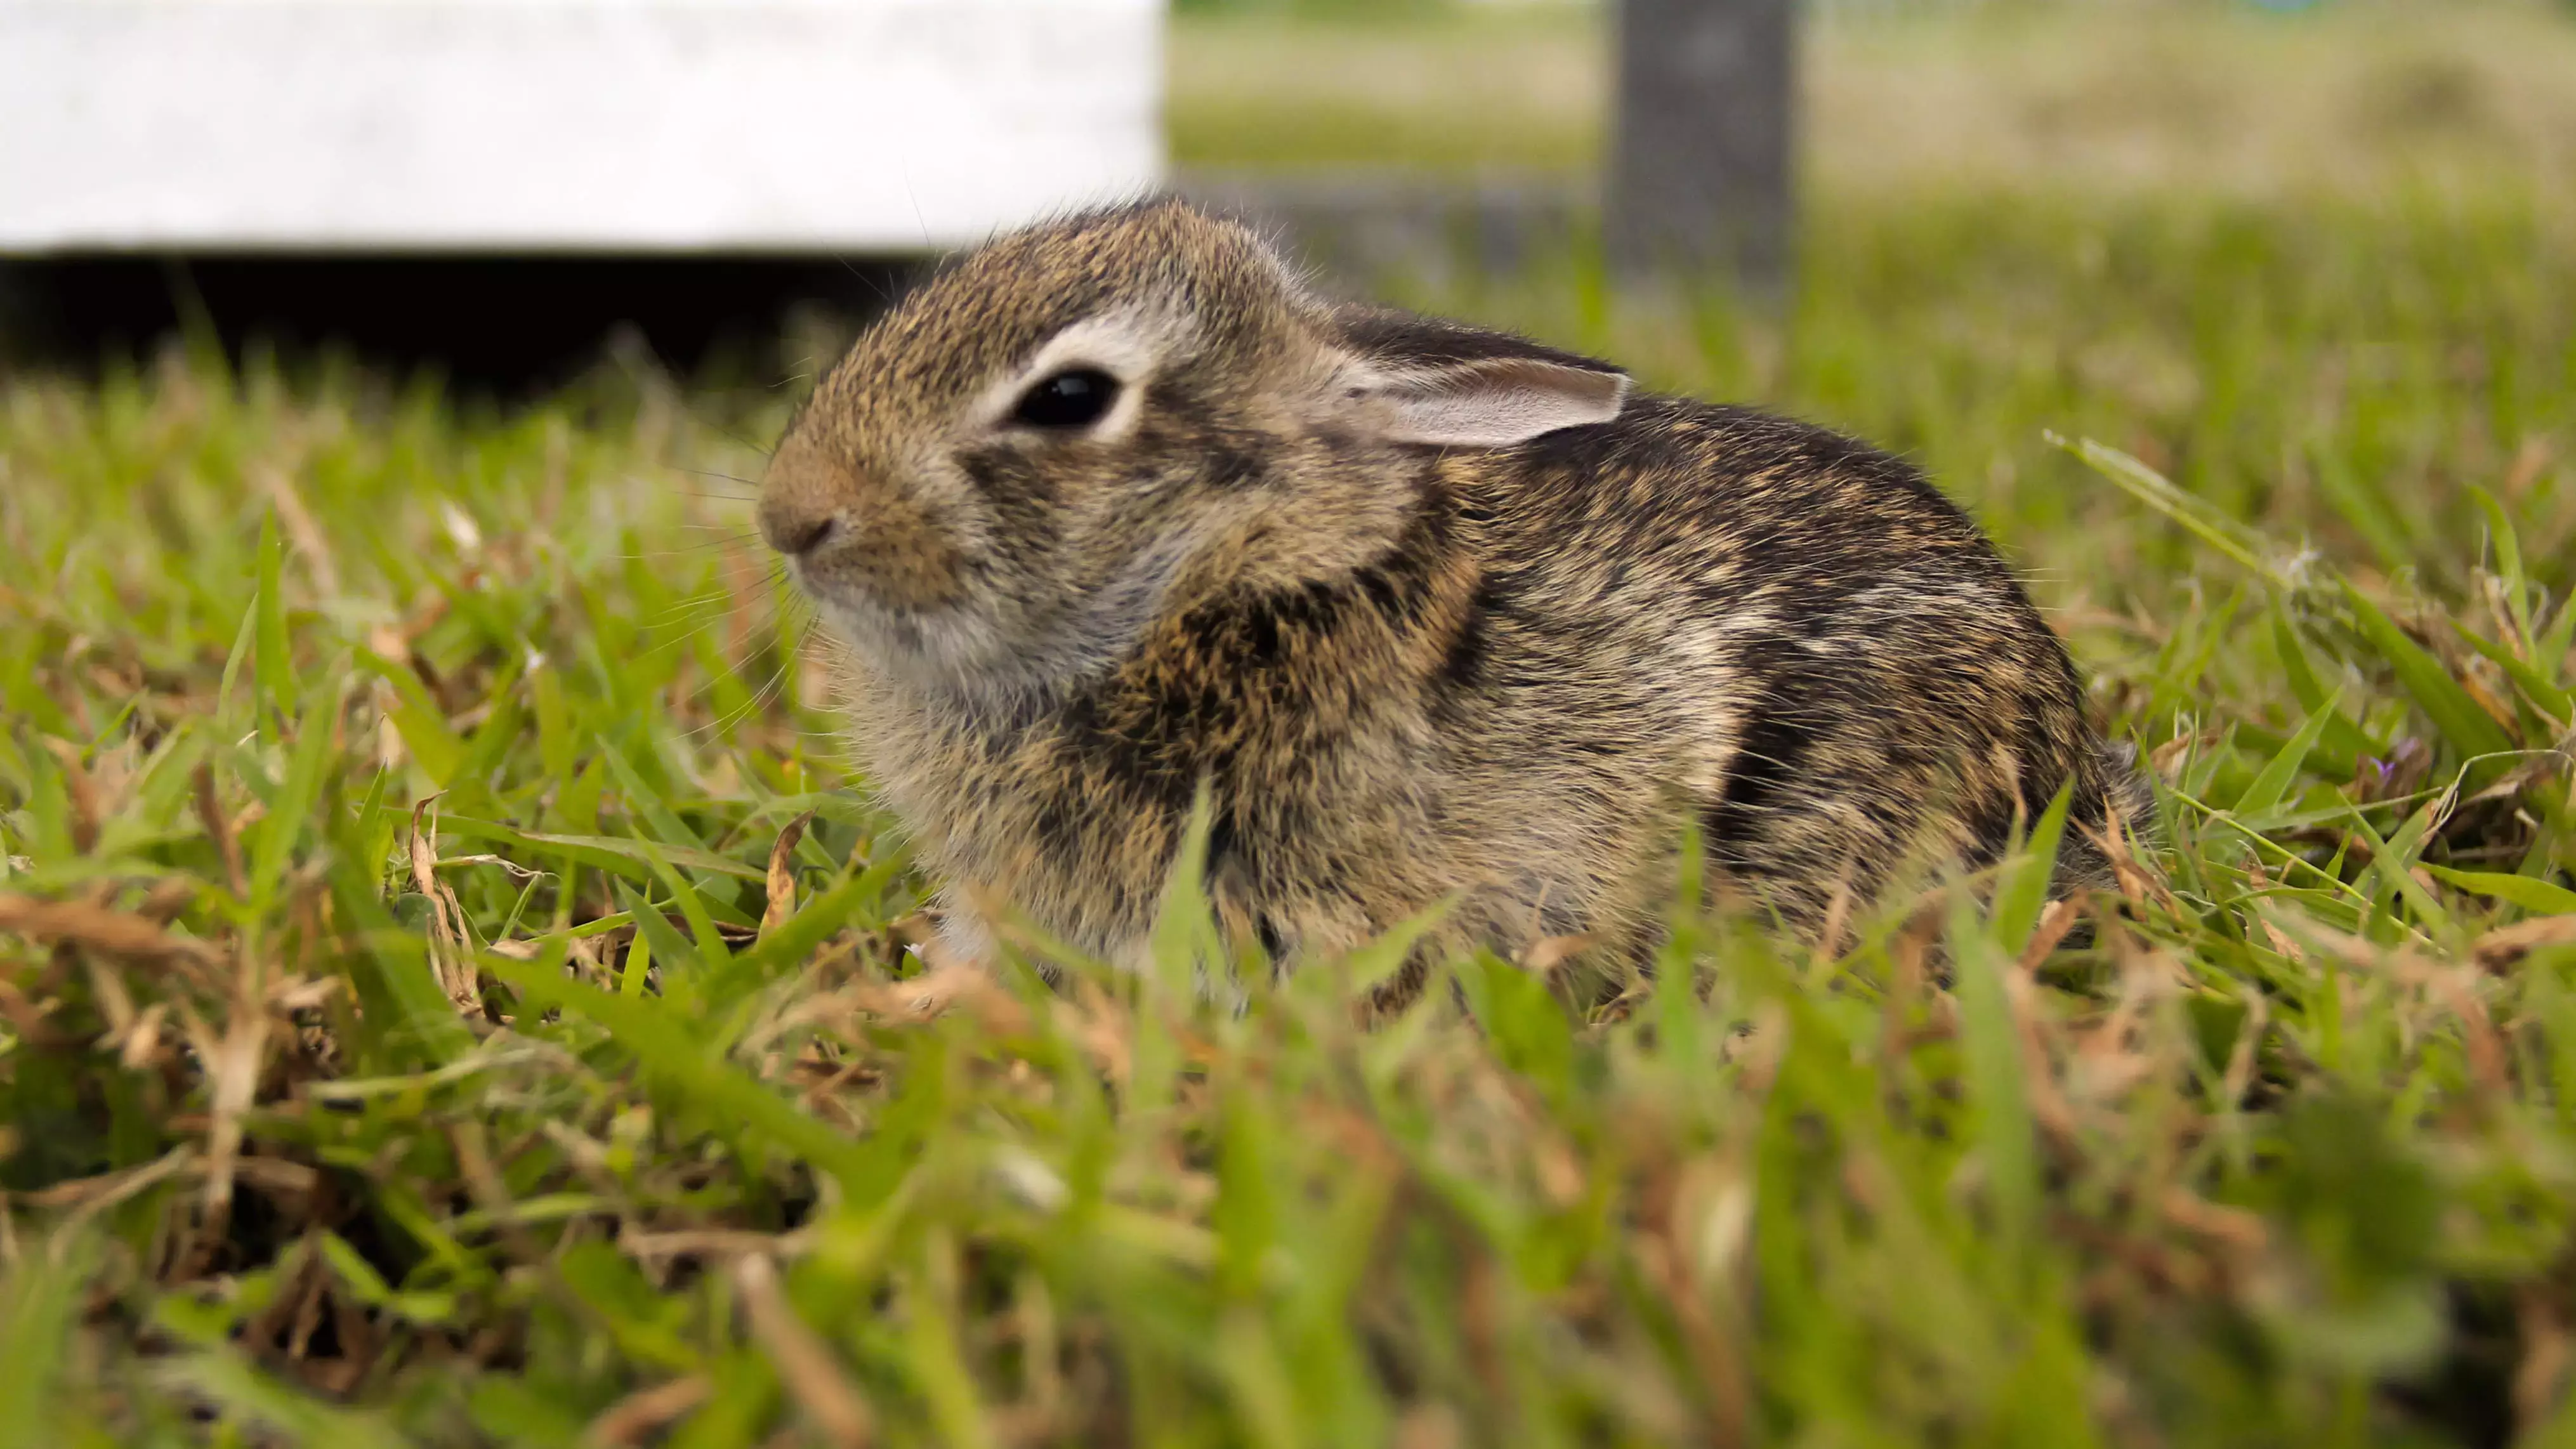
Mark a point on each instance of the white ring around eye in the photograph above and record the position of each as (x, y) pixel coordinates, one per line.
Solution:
(1127, 343)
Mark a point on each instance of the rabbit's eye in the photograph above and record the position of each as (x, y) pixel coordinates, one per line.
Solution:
(1072, 399)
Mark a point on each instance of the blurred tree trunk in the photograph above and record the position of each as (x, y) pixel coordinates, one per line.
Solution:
(1701, 170)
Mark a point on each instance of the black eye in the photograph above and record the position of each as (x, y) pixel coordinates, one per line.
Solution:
(1073, 399)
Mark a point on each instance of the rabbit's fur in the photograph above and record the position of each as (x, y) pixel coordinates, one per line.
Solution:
(1431, 610)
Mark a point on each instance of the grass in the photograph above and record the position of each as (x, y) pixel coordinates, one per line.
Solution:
(1279, 90)
(2197, 95)
(450, 991)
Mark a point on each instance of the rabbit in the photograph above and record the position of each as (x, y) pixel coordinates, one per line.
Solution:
(1116, 508)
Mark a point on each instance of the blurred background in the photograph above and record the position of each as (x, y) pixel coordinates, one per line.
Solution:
(1394, 141)
(2100, 95)
(2312, 258)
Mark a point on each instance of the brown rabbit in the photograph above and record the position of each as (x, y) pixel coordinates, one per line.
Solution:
(1114, 506)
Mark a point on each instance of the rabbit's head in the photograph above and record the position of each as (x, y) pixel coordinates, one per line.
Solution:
(1007, 475)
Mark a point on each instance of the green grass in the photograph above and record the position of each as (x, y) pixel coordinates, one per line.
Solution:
(331, 704)
(1905, 96)
(1282, 90)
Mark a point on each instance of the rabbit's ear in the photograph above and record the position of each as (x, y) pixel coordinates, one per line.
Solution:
(1492, 402)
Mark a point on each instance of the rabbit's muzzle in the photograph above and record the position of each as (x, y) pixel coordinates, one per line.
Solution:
(853, 541)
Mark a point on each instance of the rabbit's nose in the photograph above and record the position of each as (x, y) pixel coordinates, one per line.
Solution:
(796, 527)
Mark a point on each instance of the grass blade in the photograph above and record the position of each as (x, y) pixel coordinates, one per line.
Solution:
(2537, 896)
(2471, 730)
(439, 751)
(2023, 891)
(2006, 1137)
(2274, 783)
(2231, 539)
(2552, 700)
(273, 666)
(656, 1040)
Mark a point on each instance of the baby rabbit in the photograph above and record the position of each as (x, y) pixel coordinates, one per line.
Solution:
(1115, 506)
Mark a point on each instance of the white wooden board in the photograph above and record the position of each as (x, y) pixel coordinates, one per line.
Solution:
(566, 125)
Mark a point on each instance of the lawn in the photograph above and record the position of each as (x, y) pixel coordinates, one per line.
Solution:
(451, 990)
